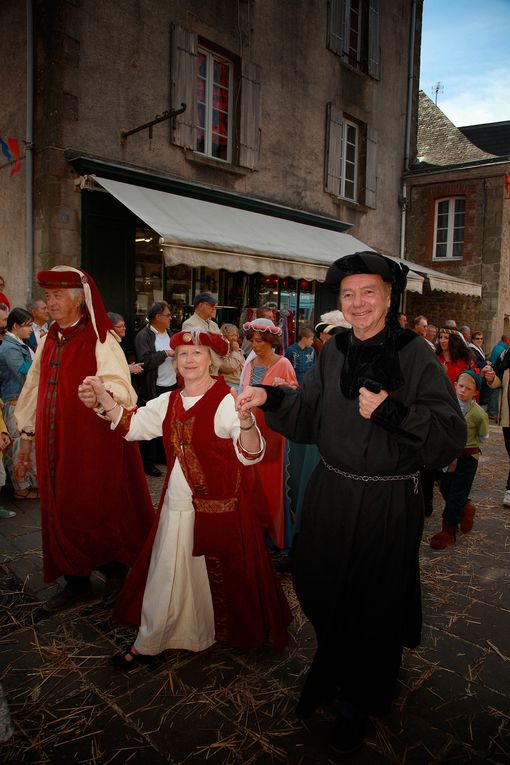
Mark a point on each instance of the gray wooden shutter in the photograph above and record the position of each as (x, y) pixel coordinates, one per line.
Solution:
(374, 40)
(183, 88)
(371, 169)
(334, 150)
(249, 136)
(336, 26)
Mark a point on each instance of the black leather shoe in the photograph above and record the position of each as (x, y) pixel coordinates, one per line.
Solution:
(66, 599)
(348, 734)
(153, 471)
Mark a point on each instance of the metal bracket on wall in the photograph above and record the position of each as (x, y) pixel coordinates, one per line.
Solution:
(168, 115)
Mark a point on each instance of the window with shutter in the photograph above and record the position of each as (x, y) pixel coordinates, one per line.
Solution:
(222, 97)
(351, 158)
(354, 33)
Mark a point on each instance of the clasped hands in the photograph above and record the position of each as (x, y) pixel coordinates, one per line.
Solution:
(92, 393)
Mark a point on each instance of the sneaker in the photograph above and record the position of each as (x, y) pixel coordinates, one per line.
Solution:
(506, 498)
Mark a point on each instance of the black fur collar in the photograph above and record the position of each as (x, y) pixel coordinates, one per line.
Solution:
(375, 359)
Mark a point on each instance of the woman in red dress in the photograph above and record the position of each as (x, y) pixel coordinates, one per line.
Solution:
(267, 368)
(453, 353)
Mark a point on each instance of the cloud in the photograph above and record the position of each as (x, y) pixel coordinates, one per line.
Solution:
(477, 99)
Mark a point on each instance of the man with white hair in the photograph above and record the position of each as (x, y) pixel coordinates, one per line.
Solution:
(95, 507)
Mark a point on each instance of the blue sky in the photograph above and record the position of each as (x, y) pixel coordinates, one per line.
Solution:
(466, 47)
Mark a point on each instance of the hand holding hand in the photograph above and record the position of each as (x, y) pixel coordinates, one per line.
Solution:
(368, 401)
(249, 398)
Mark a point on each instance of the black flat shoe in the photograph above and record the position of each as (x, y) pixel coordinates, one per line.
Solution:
(127, 660)
(348, 735)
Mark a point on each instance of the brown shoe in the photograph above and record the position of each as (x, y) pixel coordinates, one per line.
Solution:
(466, 523)
(444, 538)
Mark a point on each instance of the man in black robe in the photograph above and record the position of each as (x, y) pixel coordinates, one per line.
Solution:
(379, 407)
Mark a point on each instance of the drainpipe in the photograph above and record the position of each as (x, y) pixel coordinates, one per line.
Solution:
(409, 113)
(29, 158)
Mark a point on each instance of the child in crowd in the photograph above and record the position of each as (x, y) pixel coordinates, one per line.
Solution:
(456, 483)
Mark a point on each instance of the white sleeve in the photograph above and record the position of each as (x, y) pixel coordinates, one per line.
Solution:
(147, 422)
(227, 425)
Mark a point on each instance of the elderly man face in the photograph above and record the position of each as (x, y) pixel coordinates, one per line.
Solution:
(365, 300)
(64, 305)
(206, 311)
(420, 327)
(40, 312)
(3, 321)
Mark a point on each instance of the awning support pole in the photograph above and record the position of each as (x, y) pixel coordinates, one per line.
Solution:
(168, 115)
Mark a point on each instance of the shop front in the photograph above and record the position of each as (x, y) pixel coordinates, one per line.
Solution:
(144, 244)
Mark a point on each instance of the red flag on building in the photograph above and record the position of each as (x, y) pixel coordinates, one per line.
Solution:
(14, 149)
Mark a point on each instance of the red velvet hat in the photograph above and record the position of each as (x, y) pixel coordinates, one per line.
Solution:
(67, 277)
(196, 336)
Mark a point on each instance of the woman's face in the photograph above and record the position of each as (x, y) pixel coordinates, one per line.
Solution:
(444, 340)
(22, 331)
(193, 361)
(232, 335)
(120, 328)
(258, 344)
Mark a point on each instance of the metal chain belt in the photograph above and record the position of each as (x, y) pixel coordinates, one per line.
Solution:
(367, 478)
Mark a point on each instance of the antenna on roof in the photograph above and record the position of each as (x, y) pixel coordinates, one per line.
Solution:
(438, 88)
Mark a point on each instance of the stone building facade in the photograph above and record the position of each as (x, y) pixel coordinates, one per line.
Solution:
(449, 168)
(315, 96)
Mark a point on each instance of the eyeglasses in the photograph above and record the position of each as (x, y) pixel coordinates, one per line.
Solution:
(166, 315)
(477, 337)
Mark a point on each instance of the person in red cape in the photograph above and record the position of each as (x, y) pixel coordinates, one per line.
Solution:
(205, 572)
(95, 506)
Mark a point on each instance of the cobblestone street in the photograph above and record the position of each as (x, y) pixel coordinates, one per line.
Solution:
(225, 706)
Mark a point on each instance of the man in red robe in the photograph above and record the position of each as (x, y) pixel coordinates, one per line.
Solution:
(95, 506)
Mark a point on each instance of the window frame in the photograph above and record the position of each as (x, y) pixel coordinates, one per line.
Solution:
(346, 122)
(211, 57)
(450, 229)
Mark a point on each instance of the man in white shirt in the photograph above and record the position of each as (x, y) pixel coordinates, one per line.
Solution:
(40, 315)
(152, 346)
(205, 311)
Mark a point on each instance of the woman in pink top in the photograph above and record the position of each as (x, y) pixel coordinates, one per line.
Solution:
(265, 367)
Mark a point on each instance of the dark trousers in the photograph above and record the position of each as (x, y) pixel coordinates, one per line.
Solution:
(506, 436)
(455, 488)
(79, 584)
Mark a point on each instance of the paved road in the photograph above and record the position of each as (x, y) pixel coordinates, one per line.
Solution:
(225, 706)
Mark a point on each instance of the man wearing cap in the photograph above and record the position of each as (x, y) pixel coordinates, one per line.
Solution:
(379, 409)
(205, 311)
(95, 506)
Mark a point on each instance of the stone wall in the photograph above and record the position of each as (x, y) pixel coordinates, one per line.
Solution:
(486, 248)
(109, 70)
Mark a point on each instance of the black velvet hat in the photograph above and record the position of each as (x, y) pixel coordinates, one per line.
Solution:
(368, 262)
